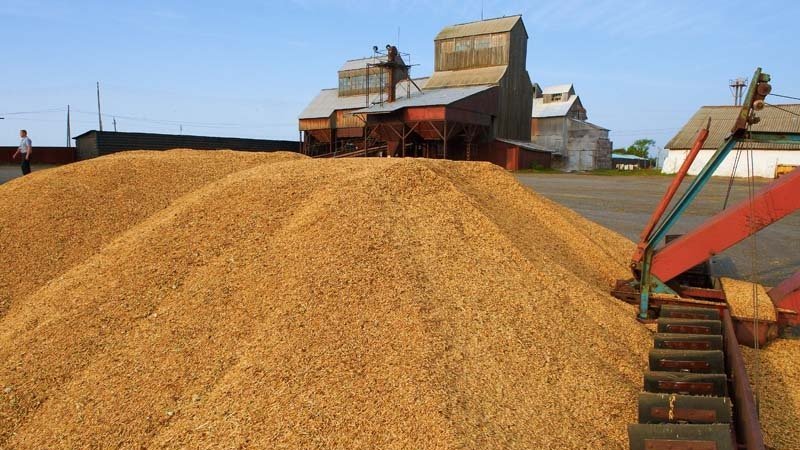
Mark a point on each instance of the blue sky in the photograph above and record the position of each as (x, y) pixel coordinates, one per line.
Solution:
(247, 68)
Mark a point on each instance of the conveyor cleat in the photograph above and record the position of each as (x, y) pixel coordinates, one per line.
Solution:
(689, 326)
(695, 361)
(680, 437)
(713, 384)
(688, 312)
(675, 408)
(680, 341)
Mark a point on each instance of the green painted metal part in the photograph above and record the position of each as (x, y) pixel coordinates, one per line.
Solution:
(648, 282)
(772, 137)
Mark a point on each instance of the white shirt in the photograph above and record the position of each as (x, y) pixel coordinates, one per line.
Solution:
(25, 145)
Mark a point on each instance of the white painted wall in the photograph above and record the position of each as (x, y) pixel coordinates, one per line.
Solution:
(764, 162)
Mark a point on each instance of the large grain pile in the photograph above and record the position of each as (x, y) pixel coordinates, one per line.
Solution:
(748, 300)
(56, 219)
(298, 303)
(775, 374)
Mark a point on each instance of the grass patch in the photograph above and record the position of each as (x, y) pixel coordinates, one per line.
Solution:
(628, 173)
(539, 170)
(601, 172)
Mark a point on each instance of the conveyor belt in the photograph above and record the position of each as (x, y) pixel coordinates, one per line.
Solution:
(696, 392)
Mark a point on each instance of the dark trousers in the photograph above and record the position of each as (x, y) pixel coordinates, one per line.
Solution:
(26, 166)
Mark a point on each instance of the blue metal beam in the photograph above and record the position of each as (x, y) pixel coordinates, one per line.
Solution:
(768, 137)
(647, 281)
(691, 193)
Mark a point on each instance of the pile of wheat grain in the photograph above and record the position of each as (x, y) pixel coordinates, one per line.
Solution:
(774, 373)
(748, 300)
(203, 300)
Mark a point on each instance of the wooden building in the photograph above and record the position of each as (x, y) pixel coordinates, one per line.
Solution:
(559, 123)
(475, 105)
(98, 143)
(327, 124)
(489, 52)
(40, 155)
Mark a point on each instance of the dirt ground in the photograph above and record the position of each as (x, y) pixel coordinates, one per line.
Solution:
(624, 204)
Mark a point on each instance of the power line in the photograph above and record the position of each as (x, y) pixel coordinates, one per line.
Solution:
(167, 121)
(785, 96)
(784, 110)
(111, 116)
(42, 111)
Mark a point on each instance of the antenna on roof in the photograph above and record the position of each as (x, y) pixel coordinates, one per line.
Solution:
(737, 89)
(481, 9)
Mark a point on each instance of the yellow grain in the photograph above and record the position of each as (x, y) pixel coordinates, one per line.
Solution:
(203, 300)
(739, 295)
(776, 383)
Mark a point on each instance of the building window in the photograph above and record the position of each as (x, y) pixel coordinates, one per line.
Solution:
(555, 97)
(483, 42)
(464, 44)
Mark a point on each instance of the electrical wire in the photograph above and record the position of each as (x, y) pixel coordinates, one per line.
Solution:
(784, 110)
(43, 111)
(754, 271)
(733, 175)
(785, 96)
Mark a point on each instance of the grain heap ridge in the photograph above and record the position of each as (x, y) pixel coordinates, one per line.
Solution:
(288, 302)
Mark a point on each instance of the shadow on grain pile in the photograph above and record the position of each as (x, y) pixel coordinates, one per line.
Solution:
(299, 303)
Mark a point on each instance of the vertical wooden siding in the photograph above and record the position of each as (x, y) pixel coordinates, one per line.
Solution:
(470, 52)
(516, 91)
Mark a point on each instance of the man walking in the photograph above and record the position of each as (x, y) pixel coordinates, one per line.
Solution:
(24, 150)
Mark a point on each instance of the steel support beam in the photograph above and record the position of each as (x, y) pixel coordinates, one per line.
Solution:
(641, 249)
(787, 296)
(772, 137)
(789, 285)
(728, 228)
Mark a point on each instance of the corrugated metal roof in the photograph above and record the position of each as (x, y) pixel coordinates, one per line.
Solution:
(590, 124)
(468, 77)
(498, 25)
(722, 119)
(328, 100)
(625, 156)
(557, 88)
(428, 97)
(552, 109)
(361, 63)
(527, 145)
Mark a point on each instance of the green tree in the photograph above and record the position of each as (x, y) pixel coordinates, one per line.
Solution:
(640, 147)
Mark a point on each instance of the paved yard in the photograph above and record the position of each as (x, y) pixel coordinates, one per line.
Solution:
(11, 171)
(624, 204)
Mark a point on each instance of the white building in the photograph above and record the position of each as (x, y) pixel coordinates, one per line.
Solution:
(769, 160)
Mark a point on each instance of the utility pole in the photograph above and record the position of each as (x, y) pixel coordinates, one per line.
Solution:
(69, 131)
(181, 128)
(737, 89)
(115, 124)
(99, 116)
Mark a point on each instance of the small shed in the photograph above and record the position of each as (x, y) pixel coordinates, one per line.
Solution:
(519, 155)
(98, 143)
(624, 161)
